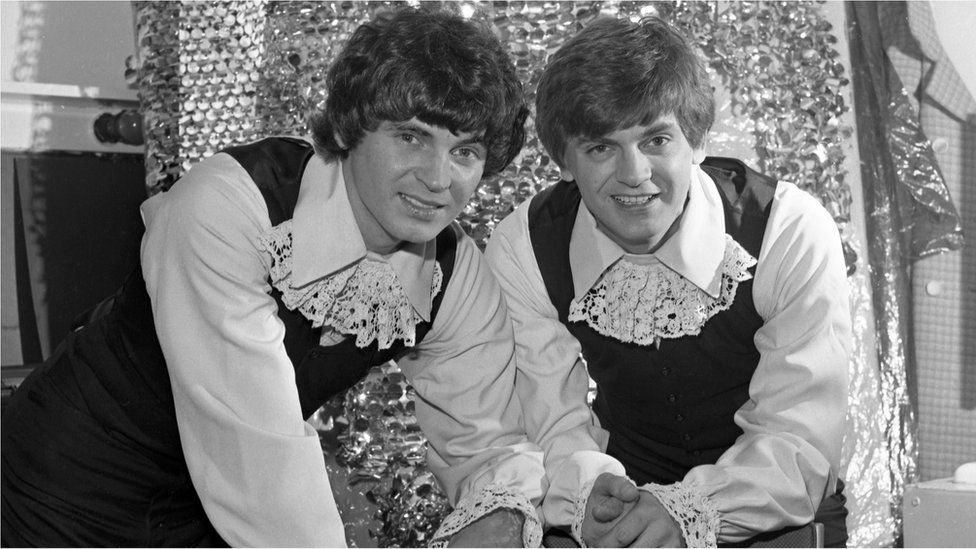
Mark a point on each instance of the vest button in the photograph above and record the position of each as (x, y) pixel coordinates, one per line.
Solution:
(666, 371)
(686, 437)
(679, 417)
(696, 453)
(672, 397)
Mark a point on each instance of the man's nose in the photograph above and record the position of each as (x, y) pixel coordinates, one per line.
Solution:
(435, 171)
(634, 168)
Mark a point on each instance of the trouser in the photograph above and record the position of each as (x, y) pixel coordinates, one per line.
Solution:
(74, 475)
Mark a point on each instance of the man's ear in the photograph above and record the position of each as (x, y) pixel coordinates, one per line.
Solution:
(699, 153)
(565, 174)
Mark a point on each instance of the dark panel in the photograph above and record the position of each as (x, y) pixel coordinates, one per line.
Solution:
(82, 211)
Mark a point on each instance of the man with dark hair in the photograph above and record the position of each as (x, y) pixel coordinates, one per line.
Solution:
(707, 302)
(273, 276)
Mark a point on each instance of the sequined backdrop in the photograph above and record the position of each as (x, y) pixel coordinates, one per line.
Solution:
(211, 74)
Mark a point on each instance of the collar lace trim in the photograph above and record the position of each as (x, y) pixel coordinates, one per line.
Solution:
(646, 303)
(365, 300)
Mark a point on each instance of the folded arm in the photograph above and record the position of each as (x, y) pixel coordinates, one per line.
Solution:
(256, 465)
(786, 461)
(552, 380)
(464, 375)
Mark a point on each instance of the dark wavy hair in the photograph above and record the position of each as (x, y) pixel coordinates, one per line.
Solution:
(616, 74)
(438, 67)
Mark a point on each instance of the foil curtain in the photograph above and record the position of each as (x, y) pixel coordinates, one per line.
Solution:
(909, 215)
(214, 74)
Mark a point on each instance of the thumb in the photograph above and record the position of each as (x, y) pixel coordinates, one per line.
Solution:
(623, 489)
(609, 495)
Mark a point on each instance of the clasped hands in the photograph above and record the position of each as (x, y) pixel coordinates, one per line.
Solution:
(619, 515)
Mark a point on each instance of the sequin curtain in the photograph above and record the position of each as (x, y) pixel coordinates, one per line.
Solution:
(909, 215)
(212, 74)
(200, 65)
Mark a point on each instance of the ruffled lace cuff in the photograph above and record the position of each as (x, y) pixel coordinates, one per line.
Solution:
(490, 498)
(576, 529)
(692, 510)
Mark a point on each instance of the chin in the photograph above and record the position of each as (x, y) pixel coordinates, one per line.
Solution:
(422, 234)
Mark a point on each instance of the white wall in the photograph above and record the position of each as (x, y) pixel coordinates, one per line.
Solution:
(955, 22)
(62, 64)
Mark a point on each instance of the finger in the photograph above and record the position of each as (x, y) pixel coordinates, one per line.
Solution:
(607, 509)
(638, 522)
(658, 535)
(623, 534)
(660, 529)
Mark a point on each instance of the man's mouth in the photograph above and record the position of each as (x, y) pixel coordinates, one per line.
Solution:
(634, 200)
(423, 208)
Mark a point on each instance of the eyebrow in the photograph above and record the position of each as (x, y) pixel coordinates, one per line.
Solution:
(659, 127)
(655, 128)
(410, 125)
(478, 139)
(421, 128)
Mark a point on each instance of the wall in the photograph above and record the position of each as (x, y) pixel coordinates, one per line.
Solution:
(61, 65)
(945, 284)
(955, 21)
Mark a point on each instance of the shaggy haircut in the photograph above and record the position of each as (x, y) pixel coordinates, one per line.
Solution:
(444, 70)
(615, 74)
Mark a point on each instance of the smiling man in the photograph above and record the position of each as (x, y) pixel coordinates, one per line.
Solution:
(273, 276)
(709, 304)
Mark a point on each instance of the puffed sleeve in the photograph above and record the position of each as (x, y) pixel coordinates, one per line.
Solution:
(464, 375)
(552, 380)
(786, 461)
(255, 463)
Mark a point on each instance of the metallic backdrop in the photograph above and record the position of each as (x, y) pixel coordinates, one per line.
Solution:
(212, 74)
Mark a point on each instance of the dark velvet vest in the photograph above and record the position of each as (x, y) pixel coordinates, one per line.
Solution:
(91, 436)
(276, 165)
(667, 409)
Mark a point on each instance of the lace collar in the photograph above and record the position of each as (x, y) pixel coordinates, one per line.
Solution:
(326, 238)
(365, 299)
(645, 303)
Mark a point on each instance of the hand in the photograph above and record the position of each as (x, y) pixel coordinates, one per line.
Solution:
(610, 497)
(500, 528)
(644, 524)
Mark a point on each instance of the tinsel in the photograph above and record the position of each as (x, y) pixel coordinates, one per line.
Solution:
(201, 65)
(212, 74)
(372, 433)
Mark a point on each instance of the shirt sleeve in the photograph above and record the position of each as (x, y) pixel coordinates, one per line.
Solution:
(786, 461)
(256, 465)
(552, 380)
(464, 376)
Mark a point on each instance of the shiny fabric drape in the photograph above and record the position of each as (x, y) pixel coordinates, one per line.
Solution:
(219, 73)
(908, 214)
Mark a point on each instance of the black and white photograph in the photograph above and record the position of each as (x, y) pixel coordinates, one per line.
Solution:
(478, 273)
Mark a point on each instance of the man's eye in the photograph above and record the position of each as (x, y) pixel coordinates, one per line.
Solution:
(598, 149)
(659, 141)
(408, 138)
(468, 153)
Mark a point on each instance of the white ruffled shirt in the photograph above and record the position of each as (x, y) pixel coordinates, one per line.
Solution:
(207, 255)
(787, 459)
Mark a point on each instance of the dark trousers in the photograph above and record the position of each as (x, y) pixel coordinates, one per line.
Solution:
(74, 476)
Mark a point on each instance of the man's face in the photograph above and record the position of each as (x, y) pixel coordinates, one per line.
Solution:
(408, 180)
(635, 181)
